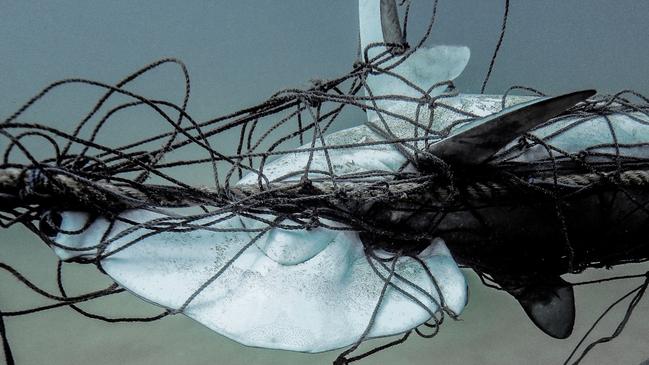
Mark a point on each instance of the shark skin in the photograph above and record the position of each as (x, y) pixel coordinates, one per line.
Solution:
(524, 233)
(163, 270)
(299, 289)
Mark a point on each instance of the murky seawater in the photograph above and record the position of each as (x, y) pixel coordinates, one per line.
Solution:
(239, 53)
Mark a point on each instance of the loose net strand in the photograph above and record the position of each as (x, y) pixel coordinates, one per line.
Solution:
(84, 173)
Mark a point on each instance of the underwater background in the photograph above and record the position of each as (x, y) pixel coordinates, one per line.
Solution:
(238, 54)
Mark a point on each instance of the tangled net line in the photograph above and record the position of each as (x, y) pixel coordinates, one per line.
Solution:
(106, 180)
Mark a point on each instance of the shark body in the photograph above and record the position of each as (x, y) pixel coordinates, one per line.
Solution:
(316, 290)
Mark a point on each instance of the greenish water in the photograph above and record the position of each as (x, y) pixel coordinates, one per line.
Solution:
(239, 53)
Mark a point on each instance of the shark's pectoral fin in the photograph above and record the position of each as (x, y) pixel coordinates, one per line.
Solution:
(475, 143)
(550, 306)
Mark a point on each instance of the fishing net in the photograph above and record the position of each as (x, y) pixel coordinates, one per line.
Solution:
(288, 172)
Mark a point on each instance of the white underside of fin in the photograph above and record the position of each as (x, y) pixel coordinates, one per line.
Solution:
(316, 296)
(301, 290)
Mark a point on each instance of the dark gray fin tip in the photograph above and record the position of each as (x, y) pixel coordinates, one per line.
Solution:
(390, 23)
(550, 307)
(486, 136)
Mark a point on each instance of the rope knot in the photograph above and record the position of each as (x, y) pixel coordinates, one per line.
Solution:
(313, 221)
(524, 142)
(398, 49)
(341, 361)
(306, 186)
(358, 65)
(34, 179)
(311, 99)
(318, 84)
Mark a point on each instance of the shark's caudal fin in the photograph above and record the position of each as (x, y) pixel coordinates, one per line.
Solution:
(424, 68)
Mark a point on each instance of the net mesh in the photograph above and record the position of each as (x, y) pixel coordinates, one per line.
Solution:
(84, 174)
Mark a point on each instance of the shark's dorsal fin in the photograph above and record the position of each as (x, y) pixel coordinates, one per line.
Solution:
(424, 68)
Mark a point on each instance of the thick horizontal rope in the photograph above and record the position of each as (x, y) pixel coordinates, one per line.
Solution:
(20, 186)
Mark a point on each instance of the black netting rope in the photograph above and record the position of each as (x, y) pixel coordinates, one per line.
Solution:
(105, 180)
